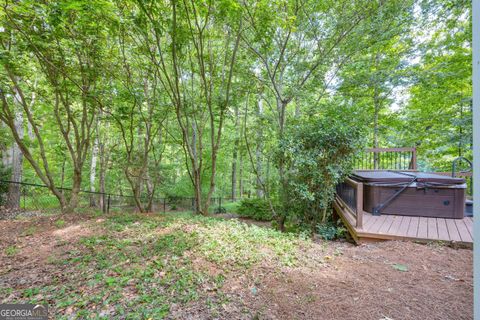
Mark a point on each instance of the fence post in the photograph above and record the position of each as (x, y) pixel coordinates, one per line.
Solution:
(108, 204)
(164, 204)
(104, 203)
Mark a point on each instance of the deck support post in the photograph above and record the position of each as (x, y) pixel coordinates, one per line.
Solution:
(359, 206)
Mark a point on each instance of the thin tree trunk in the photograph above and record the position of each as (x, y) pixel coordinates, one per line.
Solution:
(297, 108)
(259, 150)
(62, 176)
(240, 172)
(235, 156)
(93, 172)
(282, 216)
(74, 193)
(197, 179)
(102, 175)
(376, 104)
(13, 197)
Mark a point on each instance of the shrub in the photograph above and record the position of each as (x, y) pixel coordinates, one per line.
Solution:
(220, 210)
(317, 154)
(5, 174)
(257, 209)
(329, 231)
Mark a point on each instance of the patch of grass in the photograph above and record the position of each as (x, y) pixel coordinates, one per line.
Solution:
(11, 250)
(60, 223)
(175, 243)
(29, 231)
(237, 244)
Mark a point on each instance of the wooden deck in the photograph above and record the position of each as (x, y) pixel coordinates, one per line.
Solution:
(393, 227)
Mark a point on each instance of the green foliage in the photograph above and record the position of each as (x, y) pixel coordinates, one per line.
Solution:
(161, 261)
(330, 231)
(220, 209)
(5, 174)
(60, 223)
(132, 76)
(255, 208)
(11, 250)
(318, 155)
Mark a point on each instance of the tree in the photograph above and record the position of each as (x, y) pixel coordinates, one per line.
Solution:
(306, 43)
(60, 44)
(318, 155)
(184, 41)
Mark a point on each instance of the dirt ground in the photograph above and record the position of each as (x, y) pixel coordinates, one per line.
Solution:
(387, 280)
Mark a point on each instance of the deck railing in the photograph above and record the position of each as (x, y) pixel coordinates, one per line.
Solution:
(387, 159)
(350, 197)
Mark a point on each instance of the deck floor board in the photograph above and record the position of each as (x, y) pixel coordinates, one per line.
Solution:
(387, 223)
(391, 227)
(432, 228)
(442, 229)
(463, 231)
(452, 230)
(413, 227)
(469, 224)
(395, 227)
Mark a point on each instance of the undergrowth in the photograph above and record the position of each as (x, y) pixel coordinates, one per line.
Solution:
(138, 266)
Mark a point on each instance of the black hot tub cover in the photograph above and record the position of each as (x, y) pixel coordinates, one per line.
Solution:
(384, 176)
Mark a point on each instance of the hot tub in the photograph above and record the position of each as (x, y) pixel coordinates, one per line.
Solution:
(412, 194)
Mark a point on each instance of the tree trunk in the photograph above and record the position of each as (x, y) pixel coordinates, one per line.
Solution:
(13, 197)
(62, 176)
(150, 185)
(102, 174)
(93, 172)
(376, 104)
(282, 216)
(197, 178)
(235, 156)
(259, 150)
(297, 108)
(74, 193)
(240, 174)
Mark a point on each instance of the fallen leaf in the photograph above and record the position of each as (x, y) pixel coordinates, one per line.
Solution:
(400, 267)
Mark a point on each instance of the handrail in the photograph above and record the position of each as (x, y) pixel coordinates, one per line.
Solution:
(404, 158)
(359, 201)
(403, 149)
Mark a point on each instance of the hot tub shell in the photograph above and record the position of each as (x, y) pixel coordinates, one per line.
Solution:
(424, 194)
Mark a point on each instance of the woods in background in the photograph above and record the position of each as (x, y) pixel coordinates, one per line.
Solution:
(217, 98)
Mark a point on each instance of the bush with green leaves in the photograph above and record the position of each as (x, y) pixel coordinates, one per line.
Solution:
(5, 174)
(329, 231)
(318, 154)
(219, 210)
(257, 209)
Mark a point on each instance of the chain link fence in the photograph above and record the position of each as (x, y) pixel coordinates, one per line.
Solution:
(32, 199)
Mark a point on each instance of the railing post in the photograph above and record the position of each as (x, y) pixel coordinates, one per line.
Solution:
(359, 206)
(414, 158)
